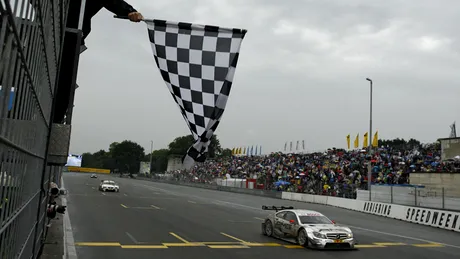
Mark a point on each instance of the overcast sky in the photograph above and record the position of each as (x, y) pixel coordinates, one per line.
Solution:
(301, 73)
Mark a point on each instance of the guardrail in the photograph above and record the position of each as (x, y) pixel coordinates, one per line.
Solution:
(31, 36)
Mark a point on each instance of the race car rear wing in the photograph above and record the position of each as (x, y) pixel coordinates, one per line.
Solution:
(276, 208)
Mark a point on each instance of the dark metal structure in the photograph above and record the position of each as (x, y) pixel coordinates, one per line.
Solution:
(38, 52)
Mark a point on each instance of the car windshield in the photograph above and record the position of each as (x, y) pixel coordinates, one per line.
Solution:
(314, 219)
(109, 182)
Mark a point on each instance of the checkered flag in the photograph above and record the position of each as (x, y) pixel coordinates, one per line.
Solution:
(197, 63)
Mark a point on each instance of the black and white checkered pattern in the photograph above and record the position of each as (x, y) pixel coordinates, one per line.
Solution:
(198, 63)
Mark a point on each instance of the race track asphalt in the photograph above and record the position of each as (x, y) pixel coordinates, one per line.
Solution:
(155, 220)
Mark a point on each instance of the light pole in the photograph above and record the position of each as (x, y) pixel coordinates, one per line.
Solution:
(369, 169)
(151, 156)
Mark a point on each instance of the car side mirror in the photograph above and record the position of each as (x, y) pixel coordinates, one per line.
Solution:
(292, 221)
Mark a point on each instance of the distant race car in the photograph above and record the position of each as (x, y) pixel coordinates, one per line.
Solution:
(307, 228)
(93, 176)
(107, 185)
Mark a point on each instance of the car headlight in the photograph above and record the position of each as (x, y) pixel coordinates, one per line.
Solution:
(350, 235)
(319, 235)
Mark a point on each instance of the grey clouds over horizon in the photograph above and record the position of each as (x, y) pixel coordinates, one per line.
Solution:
(301, 73)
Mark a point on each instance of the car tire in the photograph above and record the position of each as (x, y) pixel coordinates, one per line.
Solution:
(268, 230)
(302, 238)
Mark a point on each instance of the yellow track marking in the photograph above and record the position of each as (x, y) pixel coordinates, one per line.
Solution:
(234, 238)
(221, 243)
(227, 246)
(124, 206)
(233, 245)
(390, 244)
(178, 237)
(261, 244)
(183, 244)
(368, 246)
(293, 246)
(428, 245)
(143, 246)
(97, 244)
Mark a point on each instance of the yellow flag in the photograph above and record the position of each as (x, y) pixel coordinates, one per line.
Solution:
(348, 141)
(233, 151)
(375, 140)
(244, 151)
(357, 141)
(366, 140)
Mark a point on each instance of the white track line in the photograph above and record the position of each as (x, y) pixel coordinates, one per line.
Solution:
(69, 242)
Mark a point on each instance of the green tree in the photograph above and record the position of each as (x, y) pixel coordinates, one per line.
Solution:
(96, 160)
(214, 148)
(101, 157)
(160, 160)
(112, 146)
(227, 152)
(180, 145)
(87, 160)
(126, 156)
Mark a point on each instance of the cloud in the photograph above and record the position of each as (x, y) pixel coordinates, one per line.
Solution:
(301, 73)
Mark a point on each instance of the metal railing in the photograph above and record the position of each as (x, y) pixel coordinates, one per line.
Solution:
(427, 197)
(31, 35)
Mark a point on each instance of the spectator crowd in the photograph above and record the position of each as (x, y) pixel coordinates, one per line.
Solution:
(336, 172)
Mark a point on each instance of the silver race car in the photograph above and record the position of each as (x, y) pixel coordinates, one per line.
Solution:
(307, 228)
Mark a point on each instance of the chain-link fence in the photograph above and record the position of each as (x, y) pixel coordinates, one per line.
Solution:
(31, 34)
